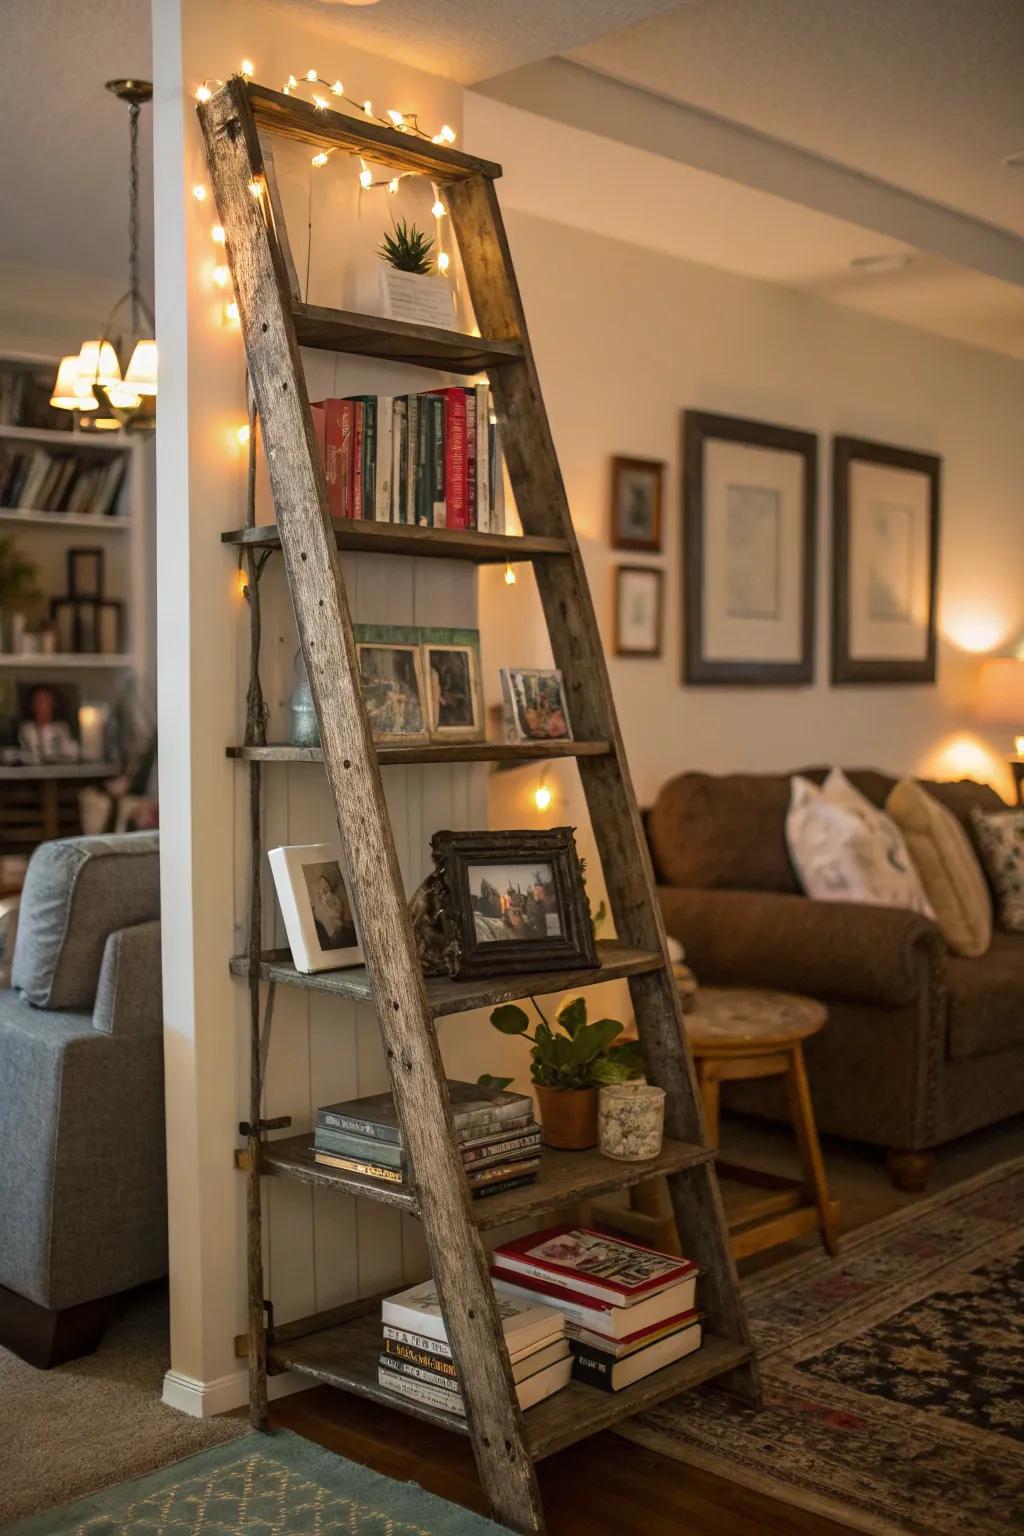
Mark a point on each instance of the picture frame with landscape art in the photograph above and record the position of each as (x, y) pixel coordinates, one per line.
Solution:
(885, 559)
(534, 706)
(391, 673)
(315, 897)
(749, 549)
(636, 504)
(451, 671)
(513, 902)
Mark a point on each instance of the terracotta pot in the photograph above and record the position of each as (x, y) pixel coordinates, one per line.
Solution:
(568, 1117)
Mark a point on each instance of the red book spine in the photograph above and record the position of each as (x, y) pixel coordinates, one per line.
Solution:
(345, 457)
(469, 396)
(318, 411)
(357, 459)
(334, 456)
(456, 463)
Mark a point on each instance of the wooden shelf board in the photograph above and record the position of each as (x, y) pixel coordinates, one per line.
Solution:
(447, 996)
(563, 1178)
(435, 752)
(75, 520)
(92, 442)
(399, 341)
(27, 772)
(409, 539)
(346, 1356)
(63, 661)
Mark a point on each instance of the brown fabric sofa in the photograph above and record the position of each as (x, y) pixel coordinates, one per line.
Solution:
(921, 1046)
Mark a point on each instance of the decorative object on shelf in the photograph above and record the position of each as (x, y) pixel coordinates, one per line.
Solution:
(93, 720)
(638, 610)
(48, 715)
(25, 390)
(85, 573)
(391, 673)
(1001, 702)
(513, 902)
(885, 560)
(409, 288)
(451, 667)
(319, 917)
(304, 730)
(636, 504)
(92, 381)
(749, 536)
(631, 1121)
(17, 585)
(567, 1069)
(407, 250)
(534, 707)
(428, 927)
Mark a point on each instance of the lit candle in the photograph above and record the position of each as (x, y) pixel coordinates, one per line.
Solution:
(92, 723)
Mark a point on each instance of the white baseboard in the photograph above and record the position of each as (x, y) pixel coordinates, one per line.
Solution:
(202, 1399)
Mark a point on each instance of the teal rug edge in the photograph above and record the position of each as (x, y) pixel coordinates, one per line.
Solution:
(383, 1495)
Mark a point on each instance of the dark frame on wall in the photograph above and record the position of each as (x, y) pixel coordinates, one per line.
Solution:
(847, 669)
(652, 471)
(700, 427)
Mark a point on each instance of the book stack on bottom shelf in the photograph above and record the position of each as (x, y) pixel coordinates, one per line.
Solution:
(498, 1136)
(416, 1359)
(629, 1310)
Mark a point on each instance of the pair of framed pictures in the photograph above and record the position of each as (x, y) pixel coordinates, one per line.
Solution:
(638, 600)
(749, 556)
(421, 685)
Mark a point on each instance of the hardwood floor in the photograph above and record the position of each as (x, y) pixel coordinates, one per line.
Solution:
(603, 1484)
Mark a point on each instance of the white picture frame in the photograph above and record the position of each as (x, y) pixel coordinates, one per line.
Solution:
(314, 893)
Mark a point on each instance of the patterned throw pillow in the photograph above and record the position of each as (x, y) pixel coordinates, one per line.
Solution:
(1000, 837)
(843, 849)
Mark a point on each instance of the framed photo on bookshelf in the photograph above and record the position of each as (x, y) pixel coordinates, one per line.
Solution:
(636, 504)
(639, 607)
(314, 895)
(85, 573)
(513, 902)
(534, 706)
(885, 560)
(749, 538)
(391, 670)
(451, 670)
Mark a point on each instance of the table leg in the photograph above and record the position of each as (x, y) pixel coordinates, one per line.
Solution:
(802, 1111)
(707, 1077)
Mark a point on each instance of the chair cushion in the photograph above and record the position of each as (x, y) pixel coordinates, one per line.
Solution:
(986, 999)
(844, 849)
(947, 865)
(77, 891)
(1000, 837)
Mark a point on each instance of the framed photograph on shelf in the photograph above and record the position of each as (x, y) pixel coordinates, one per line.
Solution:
(513, 902)
(85, 573)
(316, 905)
(451, 670)
(391, 671)
(749, 538)
(534, 706)
(638, 610)
(636, 504)
(885, 560)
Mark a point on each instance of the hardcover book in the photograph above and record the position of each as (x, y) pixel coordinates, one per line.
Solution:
(602, 1318)
(598, 1369)
(593, 1264)
(524, 1321)
(475, 1110)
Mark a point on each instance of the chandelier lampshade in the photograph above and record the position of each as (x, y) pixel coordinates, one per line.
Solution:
(71, 392)
(98, 364)
(141, 370)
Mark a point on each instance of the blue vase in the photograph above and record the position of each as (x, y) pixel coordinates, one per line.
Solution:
(305, 732)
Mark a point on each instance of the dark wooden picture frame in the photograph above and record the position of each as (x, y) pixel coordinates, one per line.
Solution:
(847, 669)
(620, 538)
(85, 573)
(457, 853)
(658, 577)
(699, 427)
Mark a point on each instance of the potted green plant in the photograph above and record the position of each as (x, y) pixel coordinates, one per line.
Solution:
(410, 287)
(17, 582)
(570, 1060)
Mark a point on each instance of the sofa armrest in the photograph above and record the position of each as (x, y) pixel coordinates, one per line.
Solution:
(129, 996)
(841, 951)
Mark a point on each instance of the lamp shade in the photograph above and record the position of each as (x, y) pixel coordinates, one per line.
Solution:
(141, 370)
(98, 364)
(70, 392)
(124, 397)
(1001, 694)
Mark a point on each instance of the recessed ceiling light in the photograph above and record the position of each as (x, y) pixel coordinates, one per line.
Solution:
(1015, 162)
(893, 261)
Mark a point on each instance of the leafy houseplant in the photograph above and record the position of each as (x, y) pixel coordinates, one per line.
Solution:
(407, 249)
(569, 1061)
(17, 580)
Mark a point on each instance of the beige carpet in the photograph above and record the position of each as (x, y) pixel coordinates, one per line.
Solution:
(98, 1420)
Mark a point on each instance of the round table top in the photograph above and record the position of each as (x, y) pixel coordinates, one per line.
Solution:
(746, 1020)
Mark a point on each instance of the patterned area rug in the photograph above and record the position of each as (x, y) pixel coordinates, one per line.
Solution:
(893, 1375)
(262, 1485)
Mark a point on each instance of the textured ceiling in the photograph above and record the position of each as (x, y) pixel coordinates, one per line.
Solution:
(924, 94)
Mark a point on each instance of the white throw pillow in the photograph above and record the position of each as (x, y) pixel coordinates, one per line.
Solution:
(843, 849)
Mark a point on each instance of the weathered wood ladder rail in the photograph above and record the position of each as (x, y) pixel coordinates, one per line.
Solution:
(341, 1346)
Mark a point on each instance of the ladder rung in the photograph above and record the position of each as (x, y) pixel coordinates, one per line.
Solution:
(399, 341)
(297, 119)
(410, 539)
(506, 752)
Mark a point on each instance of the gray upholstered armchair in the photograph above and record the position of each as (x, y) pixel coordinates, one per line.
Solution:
(82, 1162)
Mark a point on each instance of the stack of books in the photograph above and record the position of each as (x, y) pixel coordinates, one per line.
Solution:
(628, 1310)
(33, 479)
(433, 459)
(416, 1359)
(498, 1136)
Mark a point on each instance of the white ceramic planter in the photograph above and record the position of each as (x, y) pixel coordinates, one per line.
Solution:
(418, 297)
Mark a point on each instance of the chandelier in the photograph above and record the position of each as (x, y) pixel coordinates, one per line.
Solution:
(91, 381)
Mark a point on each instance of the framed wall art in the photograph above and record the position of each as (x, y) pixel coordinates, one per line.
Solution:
(885, 560)
(638, 610)
(749, 538)
(636, 504)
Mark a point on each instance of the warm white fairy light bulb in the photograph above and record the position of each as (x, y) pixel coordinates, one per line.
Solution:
(319, 160)
(217, 234)
(439, 210)
(243, 434)
(321, 103)
(542, 797)
(311, 74)
(510, 575)
(221, 276)
(398, 118)
(337, 89)
(231, 313)
(393, 184)
(368, 107)
(447, 135)
(365, 177)
(203, 93)
(443, 261)
(256, 187)
(247, 68)
(199, 193)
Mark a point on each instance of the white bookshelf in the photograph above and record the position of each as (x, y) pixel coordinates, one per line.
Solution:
(66, 661)
(57, 520)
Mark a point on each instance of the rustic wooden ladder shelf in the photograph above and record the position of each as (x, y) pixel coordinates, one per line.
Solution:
(341, 1346)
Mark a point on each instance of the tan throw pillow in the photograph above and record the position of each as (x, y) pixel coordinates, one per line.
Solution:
(948, 867)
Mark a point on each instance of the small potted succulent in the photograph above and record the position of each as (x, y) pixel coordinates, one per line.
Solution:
(570, 1061)
(410, 288)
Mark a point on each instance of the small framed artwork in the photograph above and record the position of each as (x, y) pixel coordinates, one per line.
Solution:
(109, 627)
(391, 671)
(85, 573)
(749, 531)
(513, 902)
(638, 610)
(316, 905)
(534, 707)
(885, 561)
(451, 670)
(636, 504)
(63, 612)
